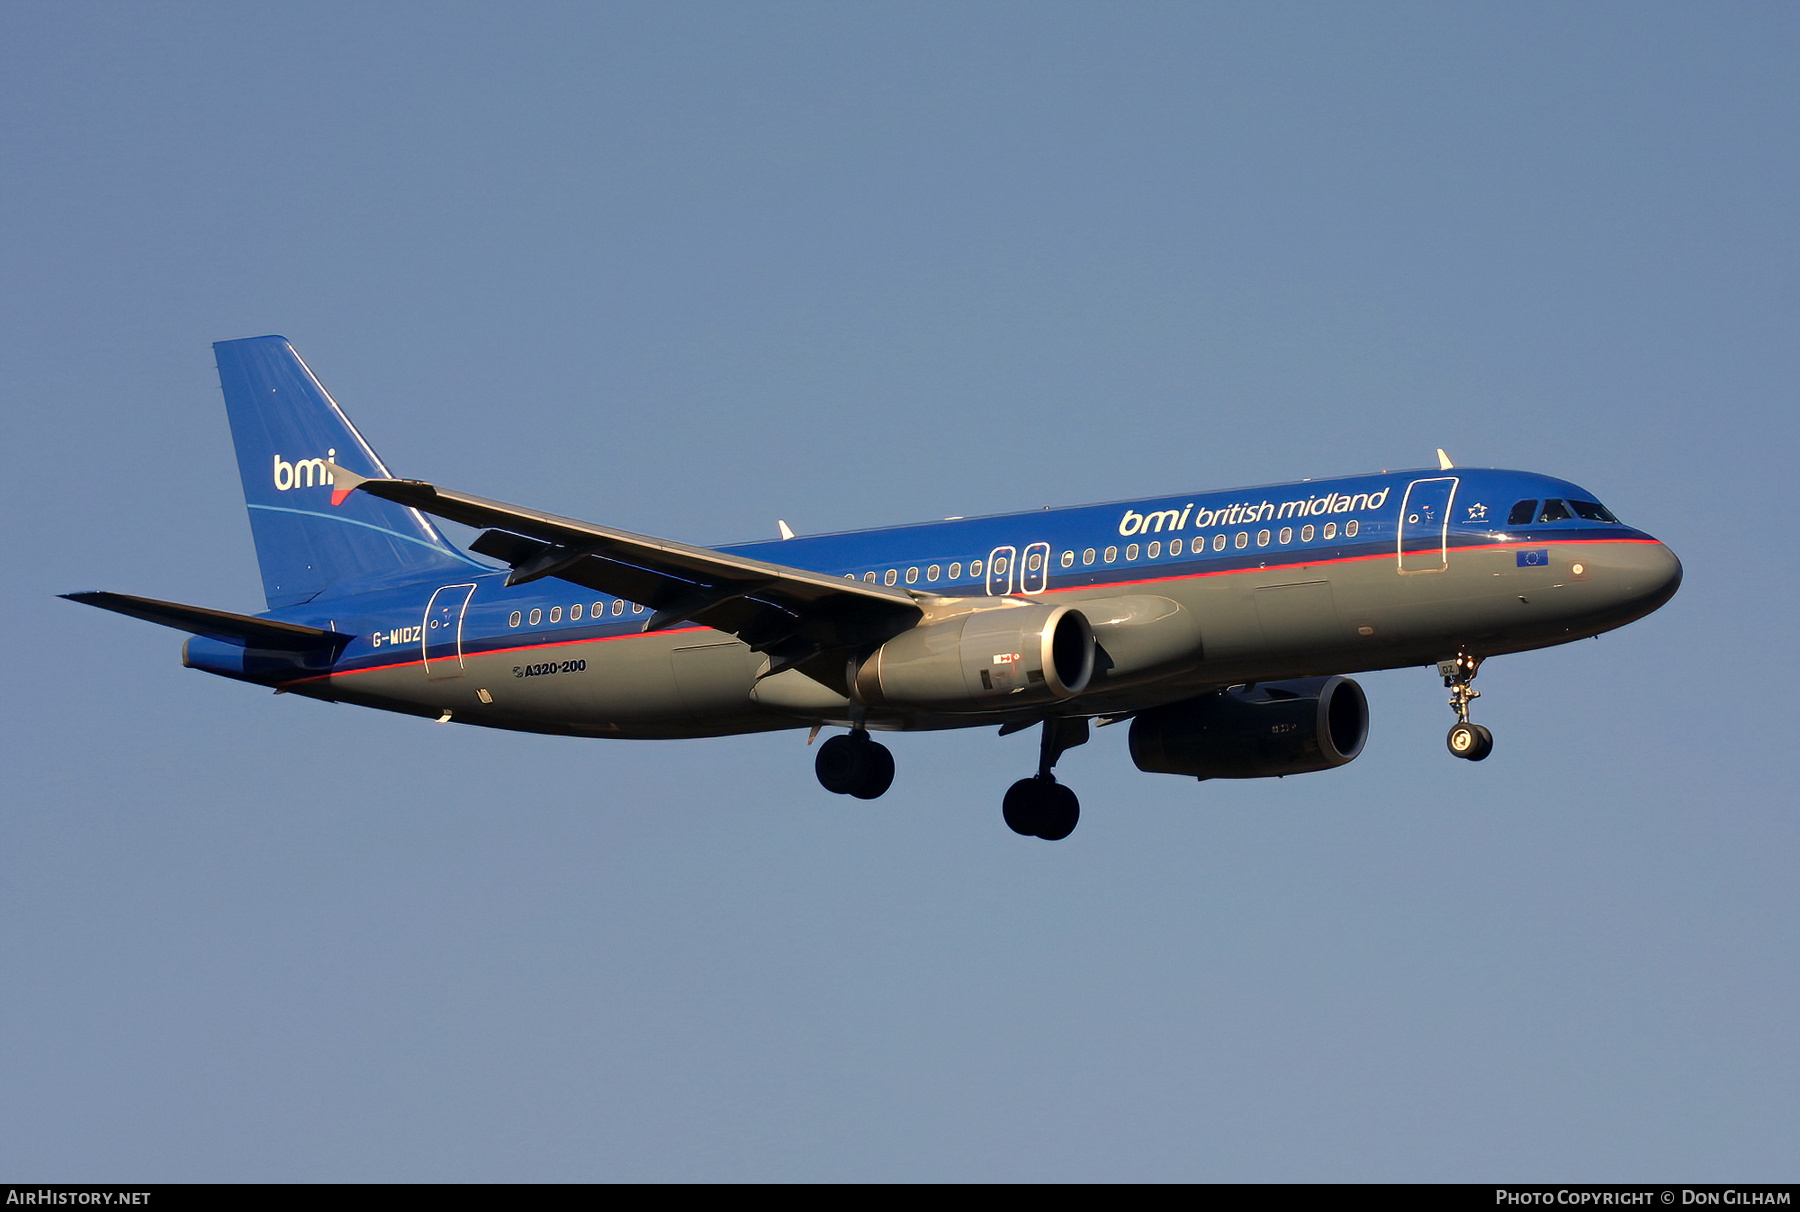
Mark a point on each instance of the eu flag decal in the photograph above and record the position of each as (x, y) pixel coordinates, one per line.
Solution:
(1534, 559)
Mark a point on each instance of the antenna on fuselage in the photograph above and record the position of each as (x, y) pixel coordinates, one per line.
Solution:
(1444, 463)
(787, 532)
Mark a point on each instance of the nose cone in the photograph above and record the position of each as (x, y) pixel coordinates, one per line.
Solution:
(1643, 576)
(1664, 575)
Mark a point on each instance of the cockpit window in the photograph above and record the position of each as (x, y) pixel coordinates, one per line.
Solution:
(1522, 513)
(1554, 511)
(1593, 511)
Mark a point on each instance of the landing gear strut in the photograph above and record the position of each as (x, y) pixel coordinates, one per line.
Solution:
(1040, 806)
(855, 765)
(1466, 740)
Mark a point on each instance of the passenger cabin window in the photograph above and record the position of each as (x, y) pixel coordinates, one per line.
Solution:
(1554, 511)
(556, 614)
(974, 568)
(912, 576)
(1287, 535)
(1131, 552)
(618, 605)
(956, 570)
(1112, 553)
(1350, 528)
(890, 577)
(1522, 513)
(1242, 540)
(1218, 542)
(1068, 559)
(1174, 547)
(1306, 534)
(1035, 562)
(1155, 549)
(1262, 538)
(537, 616)
(575, 613)
(1593, 511)
(599, 609)
(869, 577)
(514, 620)
(932, 573)
(1331, 530)
(1087, 557)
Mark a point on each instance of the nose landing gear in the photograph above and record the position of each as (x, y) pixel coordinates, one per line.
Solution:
(1040, 806)
(1470, 741)
(855, 765)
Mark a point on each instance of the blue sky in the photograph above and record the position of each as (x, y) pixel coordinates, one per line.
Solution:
(687, 269)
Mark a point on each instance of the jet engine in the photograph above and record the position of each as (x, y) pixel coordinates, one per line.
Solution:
(982, 660)
(1253, 732)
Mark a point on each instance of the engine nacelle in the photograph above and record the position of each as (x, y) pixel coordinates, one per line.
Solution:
(1273, 728)
(983, 660)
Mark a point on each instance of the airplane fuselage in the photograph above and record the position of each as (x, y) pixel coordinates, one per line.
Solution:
(1185, 594)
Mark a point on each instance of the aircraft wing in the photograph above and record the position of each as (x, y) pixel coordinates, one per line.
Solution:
(793, 614)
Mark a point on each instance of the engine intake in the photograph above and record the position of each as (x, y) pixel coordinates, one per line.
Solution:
(982, 660)
(1273, 728)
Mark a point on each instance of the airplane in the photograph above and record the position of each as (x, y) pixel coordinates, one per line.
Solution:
(1220, 624)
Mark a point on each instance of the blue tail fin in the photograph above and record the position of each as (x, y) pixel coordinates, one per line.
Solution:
(285, 427)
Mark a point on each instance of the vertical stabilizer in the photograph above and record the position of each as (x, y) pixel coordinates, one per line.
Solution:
(286, 428)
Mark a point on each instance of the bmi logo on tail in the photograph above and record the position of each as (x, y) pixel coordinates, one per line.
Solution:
(287, 475)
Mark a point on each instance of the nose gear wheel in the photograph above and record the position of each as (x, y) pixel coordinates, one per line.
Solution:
(1471, 741)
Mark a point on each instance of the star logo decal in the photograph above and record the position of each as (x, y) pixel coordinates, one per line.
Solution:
(1478, 513)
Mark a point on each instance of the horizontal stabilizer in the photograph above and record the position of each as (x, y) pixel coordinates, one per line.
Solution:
(216, 624)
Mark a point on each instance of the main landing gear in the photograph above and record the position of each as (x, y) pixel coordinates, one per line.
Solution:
(855, 765)
(1040, 806)
(1466, 740)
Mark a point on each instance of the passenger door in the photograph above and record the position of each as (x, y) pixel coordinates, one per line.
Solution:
(1425, 524)
(441, 636)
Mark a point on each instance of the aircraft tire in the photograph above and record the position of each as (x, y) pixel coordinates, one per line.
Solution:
(839, 764)
(1042, 808)
(1023, 807)
(1062, 812)
(877, 773)
(1471, 742)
